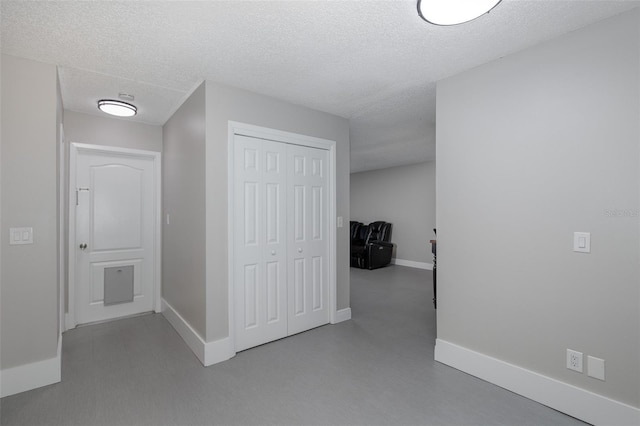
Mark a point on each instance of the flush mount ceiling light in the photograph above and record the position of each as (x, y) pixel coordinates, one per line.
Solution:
(452, 12)
(117, 108)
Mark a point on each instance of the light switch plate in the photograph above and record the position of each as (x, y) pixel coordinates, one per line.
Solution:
(340, 224)
(582, 242)
(20, 236)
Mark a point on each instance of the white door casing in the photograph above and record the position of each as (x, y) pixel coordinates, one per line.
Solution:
(281, 247)
(308, 246)
(116, 214)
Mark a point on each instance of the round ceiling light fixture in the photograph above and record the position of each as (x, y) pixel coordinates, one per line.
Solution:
(453, 12)
(117, 108)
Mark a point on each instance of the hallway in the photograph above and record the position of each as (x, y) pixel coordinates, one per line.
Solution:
(375, 369)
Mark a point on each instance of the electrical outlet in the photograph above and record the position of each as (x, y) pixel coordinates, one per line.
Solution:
(574, 360)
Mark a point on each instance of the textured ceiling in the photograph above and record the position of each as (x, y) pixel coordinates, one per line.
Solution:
(373, 62)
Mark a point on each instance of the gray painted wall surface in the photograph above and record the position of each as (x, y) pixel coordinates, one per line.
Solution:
(29, 293)
(404, 196)
(111, 131)
(531, 148)
(183, 240)
(226, 103)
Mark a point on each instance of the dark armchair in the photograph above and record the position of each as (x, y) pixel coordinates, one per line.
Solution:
(371, 245)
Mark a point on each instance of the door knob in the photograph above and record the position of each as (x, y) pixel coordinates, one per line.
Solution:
(273, 252)
(83, 246)
(299, 250)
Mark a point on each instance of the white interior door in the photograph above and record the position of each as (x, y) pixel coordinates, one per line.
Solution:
(280, 240)
(260, 241)
(115, 227)
(308, 245)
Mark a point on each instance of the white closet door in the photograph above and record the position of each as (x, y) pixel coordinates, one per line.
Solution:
(260, 241)
(308, 245)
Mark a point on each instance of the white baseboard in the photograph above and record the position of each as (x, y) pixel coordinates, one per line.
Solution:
(208, 353)
(69, 322)
(412, 264)
(343, 315)
(218, 351)
(582, 404)
(31, 376)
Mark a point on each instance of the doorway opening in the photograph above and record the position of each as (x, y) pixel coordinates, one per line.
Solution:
(114, 233)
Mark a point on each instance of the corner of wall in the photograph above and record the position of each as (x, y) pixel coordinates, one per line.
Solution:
(31, 376)
(208, 353)
(574, 401)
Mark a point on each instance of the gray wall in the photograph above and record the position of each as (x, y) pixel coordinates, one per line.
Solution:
(226, 103)
(111, 131)
(531, 148)
(404, 196)
(29, 293)
(183, 240)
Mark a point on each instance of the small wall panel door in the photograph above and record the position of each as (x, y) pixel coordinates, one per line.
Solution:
(308, 246)
(259, 241)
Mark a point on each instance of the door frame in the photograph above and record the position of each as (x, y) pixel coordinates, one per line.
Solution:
(243, 129)
(77, 148)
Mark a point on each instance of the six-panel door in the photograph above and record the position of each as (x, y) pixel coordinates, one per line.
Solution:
(260, 241)
(308, 243)
(280, 240)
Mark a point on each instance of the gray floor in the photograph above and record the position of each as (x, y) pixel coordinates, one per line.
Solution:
(375, 369)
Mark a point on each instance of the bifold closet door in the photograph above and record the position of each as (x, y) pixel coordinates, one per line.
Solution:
(260, 241)
(281, 244)
(308, 245)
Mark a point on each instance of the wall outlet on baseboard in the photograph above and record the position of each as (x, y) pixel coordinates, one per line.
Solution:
(574, 360)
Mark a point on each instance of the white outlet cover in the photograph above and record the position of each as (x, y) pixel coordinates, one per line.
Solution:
(595, 367)
(574, 360)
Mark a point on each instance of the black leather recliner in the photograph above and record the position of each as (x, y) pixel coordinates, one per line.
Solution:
(371, 245)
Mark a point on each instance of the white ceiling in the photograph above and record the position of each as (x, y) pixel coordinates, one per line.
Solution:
(373, 62)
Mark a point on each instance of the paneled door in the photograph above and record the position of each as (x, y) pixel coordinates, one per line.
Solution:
(115, 234)
(308, 245)
(280, 240)
(260, 241)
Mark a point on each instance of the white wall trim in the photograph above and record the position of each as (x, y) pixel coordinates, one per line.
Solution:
(208, 353)
(69, 322)
(62, 264)
(342, 315)
(580, 403)
(31, 376)
(218, 351)
(184, 329)
(412, 264)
